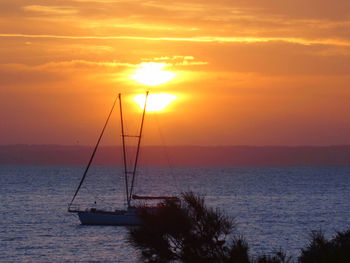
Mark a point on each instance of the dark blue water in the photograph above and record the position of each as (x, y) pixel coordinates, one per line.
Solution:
(274, 207)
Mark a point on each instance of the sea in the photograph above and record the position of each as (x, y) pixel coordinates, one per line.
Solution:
(273, 207)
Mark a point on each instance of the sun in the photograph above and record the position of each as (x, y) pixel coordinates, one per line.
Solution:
(155, 101)
(152, 74)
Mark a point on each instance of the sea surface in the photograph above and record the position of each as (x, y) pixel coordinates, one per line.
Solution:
(273, 207)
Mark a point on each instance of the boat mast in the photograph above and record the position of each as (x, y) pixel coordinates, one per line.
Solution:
(124, 151)
(138, 148)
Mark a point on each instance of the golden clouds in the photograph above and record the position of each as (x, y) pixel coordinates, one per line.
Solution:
(190, 21)
(110, 71)
(205, 39)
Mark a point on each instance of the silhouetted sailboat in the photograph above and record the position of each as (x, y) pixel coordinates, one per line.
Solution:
(130, 215)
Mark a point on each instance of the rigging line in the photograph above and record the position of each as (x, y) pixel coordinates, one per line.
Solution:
(166, 153)
(138, 147)
(93, 154)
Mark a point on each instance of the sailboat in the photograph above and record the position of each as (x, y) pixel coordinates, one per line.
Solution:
(131, 214)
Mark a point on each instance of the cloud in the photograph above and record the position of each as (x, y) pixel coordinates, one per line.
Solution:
(15, 74)
(178, 60)
(51, 10)
(85, 64)
(207, 39)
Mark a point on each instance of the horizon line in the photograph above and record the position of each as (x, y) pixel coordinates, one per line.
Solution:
(182, 145)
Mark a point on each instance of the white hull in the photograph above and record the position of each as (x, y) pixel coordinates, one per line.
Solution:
(106, 218)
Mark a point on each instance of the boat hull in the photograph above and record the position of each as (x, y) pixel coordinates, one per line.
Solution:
(118, 218)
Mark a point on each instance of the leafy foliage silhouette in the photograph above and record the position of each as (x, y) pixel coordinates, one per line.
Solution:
(277, 257)
(321, 250)
(188, 232)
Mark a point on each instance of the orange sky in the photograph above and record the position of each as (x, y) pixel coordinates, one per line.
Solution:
(248, 72)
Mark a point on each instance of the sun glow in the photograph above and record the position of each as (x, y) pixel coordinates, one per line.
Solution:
(155, 102)
(151, 74)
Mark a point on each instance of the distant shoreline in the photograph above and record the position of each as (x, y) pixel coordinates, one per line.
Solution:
(180, 155)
